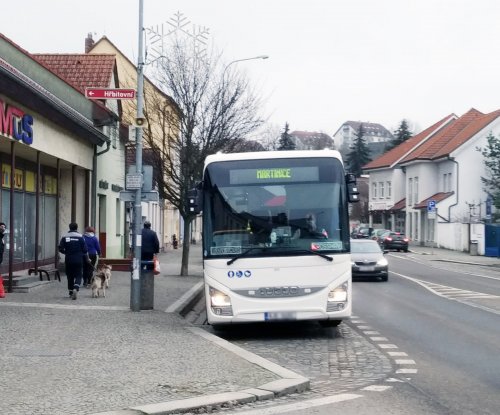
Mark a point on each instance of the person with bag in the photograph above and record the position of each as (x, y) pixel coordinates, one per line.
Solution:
(150, 244)
(94, 250)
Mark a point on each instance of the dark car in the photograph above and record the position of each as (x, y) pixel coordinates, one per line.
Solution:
(367, 260)
(361, 233)
(378, 234)
(395, 240)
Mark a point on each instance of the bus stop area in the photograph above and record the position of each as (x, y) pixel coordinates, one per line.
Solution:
(94, 355)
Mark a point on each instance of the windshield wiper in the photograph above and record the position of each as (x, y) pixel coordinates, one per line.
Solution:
(310, 251)
(244, 253)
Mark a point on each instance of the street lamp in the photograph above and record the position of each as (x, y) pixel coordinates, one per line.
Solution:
(240, 60)
(224, 82)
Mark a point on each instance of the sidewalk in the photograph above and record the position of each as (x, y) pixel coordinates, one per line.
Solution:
(94, 355)
(440, 254)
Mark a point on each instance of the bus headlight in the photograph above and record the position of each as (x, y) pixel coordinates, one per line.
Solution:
(220, 303)
(337, 298)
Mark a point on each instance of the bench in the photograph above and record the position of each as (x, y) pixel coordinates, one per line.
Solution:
(47, 271)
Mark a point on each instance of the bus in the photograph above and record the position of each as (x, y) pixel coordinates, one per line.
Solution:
(275, 236)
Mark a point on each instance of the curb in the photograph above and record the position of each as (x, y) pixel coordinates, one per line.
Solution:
(290, 381)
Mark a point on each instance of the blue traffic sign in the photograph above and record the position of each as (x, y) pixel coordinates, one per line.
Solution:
(431, 205)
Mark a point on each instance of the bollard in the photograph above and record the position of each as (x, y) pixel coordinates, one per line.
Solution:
(147, 286)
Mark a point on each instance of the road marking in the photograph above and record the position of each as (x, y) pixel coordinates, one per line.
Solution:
(379, 339)
(407, 371)
(446, 291)
(377, 388)
(397, 354)
(410, 258)
(405, 362)
(387, 346)
(298, 406)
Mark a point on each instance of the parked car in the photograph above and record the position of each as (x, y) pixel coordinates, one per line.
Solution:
(395, 240)
(367, 260)
(378, 234)
(361, 233)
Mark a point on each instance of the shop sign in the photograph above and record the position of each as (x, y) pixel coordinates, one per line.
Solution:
(15, 123)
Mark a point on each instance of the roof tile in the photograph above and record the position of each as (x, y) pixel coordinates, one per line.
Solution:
(81, 70)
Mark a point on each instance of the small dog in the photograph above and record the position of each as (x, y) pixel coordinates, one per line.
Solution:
(100, 280)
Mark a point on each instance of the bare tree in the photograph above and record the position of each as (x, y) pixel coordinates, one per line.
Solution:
(218, 111)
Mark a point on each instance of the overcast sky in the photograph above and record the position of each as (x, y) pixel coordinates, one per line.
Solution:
(329, 60)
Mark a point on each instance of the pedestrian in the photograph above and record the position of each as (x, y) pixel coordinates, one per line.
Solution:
(150, 244)
(175, 243)
(94, 251)
(74, 248)
(2, 242)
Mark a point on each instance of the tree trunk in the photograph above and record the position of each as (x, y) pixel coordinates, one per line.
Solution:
(186, 243)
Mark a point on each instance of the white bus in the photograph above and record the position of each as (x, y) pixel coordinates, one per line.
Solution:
(276, 236)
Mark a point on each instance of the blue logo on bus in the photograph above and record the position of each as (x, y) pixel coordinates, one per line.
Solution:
(239, 273)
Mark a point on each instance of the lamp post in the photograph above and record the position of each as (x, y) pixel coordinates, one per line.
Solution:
(224, 81)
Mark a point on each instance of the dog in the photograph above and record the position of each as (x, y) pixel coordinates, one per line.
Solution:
(100, 280)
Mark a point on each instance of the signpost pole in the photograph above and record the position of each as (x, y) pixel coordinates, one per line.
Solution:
(135, 283)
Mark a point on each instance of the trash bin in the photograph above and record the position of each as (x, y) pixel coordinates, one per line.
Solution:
(473, 248)
(147, 286)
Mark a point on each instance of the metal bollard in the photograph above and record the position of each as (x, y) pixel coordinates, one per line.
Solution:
(147, 286)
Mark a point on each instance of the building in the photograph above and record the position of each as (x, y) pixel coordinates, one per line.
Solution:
(439, 167)
(306, 140)
(163, 117)
(376, 137)
(49, 135)
(107, 214)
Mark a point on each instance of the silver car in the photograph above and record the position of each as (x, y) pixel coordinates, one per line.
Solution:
(367, 260)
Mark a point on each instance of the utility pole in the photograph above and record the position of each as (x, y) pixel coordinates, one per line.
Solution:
(135, 283)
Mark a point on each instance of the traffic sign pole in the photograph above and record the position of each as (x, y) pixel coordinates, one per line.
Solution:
(135, 282)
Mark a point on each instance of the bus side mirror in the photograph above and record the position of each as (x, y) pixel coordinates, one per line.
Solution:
(194, 200)
(352, 188)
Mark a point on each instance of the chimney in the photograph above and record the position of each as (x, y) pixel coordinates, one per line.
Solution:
(89, 42)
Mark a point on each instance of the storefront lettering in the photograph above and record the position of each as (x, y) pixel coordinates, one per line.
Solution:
(15, 123)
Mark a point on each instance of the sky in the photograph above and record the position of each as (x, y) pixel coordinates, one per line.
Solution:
(330, 61)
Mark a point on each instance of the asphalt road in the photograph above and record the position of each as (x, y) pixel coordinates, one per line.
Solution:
(446, 317)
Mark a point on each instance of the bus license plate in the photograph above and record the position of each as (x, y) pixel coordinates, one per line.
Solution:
(281, 315)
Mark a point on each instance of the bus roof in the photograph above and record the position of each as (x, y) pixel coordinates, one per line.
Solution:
(260, 155)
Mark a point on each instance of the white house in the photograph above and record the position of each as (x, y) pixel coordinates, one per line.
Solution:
(440, 165)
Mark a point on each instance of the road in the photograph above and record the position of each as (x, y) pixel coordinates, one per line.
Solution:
(449, 322)
(439, 325)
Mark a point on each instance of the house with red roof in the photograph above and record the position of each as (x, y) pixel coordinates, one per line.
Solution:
(107, 211)
(49, 136)
(440, 165)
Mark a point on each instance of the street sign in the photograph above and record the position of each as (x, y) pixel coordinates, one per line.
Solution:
(126, 196)
(109, 93)
(133, 181)
(431, 214)
(431, 205)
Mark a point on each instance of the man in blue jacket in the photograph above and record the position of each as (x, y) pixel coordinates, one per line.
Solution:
(73, 246)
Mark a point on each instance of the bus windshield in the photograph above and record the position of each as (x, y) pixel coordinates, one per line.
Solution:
(292, 205)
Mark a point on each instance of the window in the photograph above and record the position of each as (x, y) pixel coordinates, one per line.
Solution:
(415, 188)
(410, 192)
(381, 190)
(118, 211)
(389, 190)
(374, 190)
(449, 182)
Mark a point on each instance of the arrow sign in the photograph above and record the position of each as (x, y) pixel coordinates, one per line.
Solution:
(109, 93)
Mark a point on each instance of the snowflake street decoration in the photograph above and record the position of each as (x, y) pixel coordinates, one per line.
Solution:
(178, 24)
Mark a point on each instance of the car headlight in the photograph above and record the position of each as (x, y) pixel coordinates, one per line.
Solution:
(382, 262)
